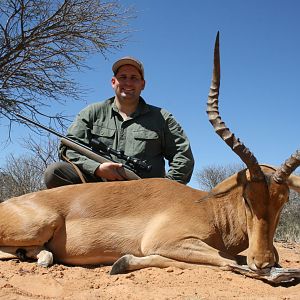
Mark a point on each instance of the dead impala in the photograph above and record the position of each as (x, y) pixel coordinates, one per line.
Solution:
(155, 222)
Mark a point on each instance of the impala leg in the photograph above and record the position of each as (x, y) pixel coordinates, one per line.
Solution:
(44, 258)
(191, 250)
(188, 255)
(8, 253)
(27, 241)
(130, 262)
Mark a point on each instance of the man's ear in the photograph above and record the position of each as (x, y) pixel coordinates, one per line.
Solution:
(113, 81)
(144, 84)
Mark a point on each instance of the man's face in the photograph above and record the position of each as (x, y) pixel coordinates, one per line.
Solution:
(128, 83)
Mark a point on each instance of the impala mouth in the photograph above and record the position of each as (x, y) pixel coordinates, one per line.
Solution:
(265, 268)
(259, 265)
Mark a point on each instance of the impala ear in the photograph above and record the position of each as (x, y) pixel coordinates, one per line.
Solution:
(237, 179)
(248, 175)
(293, 182)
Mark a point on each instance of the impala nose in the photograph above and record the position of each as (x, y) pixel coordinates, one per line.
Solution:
(260, 262)
(259, 266)
(264, 265)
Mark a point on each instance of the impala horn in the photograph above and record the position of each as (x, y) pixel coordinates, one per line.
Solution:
(238, 147)
(287, 168)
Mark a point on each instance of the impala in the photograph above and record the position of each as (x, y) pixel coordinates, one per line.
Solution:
(155, 222)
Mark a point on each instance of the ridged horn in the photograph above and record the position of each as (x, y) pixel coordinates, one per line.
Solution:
(238, 147)
(287, 168)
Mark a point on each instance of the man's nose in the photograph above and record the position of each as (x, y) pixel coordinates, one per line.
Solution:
(129, 80)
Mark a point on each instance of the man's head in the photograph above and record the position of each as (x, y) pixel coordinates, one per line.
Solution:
(128, 80)
(128, 60)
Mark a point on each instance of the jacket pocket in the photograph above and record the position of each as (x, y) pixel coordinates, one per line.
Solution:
(105, 135)
(145, 135)
(147, 142)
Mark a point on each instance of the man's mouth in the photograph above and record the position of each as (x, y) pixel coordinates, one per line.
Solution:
(125, 92)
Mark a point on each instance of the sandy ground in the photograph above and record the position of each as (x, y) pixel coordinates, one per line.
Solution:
(25, 280)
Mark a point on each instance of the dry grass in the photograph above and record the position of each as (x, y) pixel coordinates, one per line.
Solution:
(288, 228)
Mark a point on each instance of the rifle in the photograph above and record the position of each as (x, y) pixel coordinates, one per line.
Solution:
(99, 152)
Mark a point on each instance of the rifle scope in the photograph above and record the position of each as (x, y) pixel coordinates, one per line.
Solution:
(133, 162)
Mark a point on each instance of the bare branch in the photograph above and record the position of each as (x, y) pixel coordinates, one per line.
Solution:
(210, 176)
(42, 41)
(24, 174)
(20, 176)
(45, 151)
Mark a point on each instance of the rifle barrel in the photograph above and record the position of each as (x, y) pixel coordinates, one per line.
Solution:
(83, 149)
(40, 125)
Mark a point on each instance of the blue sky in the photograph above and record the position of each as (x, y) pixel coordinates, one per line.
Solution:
(260, 73)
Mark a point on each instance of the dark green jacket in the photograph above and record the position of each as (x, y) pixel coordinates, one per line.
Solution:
(151, 134)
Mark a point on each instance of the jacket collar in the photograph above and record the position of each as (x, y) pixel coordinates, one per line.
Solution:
(142, 108)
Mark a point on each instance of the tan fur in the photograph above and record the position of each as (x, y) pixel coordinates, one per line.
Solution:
(157, 221)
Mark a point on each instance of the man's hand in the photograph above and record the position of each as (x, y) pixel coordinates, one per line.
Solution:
(111, 171)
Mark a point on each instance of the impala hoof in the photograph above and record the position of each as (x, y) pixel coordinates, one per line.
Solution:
(121, 265)
(21, 254)
(45, 259)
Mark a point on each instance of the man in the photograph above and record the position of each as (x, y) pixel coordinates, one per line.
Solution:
(125, 122)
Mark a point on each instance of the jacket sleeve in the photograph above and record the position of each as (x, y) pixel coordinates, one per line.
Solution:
(80, 131)
(177, 151)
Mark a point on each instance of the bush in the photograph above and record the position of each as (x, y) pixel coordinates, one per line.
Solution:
(288, 228)
(21, 175)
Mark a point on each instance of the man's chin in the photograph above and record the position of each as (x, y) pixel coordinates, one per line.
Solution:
(129, 98)
(127, 95)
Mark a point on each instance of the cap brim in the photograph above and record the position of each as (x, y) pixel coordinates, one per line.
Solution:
(127, 61)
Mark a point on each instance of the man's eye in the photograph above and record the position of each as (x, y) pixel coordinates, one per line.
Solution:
(124, 78)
